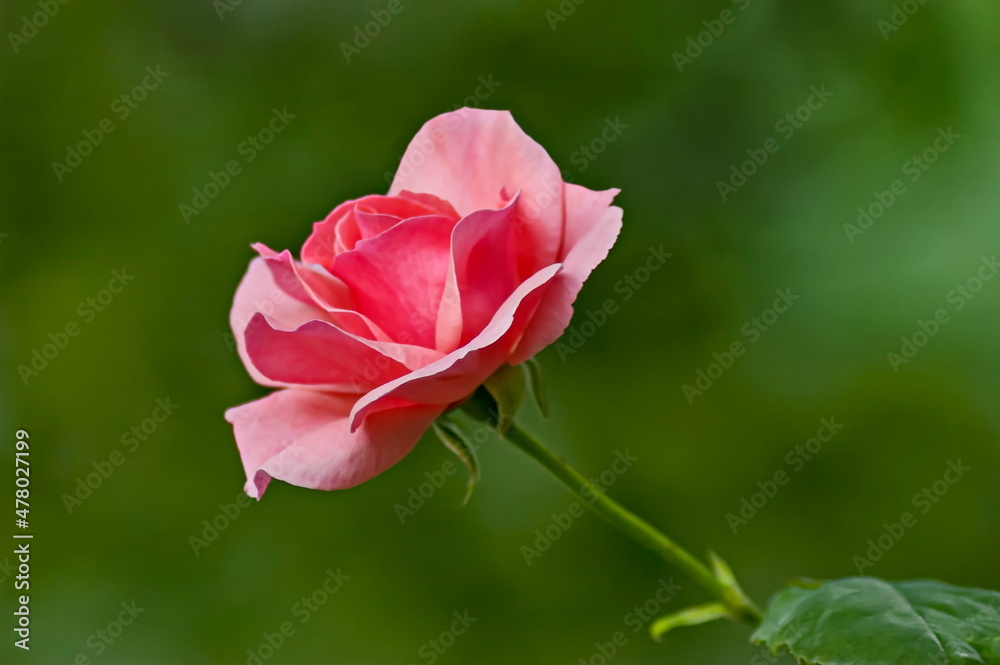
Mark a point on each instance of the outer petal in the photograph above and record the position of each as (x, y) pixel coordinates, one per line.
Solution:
(592, 226)
(303, 437)
(321, 356)
(397, 278)
(475, 159)
(455, 376)
(258, 293)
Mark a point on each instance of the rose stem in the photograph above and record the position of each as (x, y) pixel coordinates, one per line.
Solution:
(729, 593)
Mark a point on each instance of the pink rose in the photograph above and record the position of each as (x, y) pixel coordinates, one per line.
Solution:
(403, 304)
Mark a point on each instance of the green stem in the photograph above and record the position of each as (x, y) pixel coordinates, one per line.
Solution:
(726, 590)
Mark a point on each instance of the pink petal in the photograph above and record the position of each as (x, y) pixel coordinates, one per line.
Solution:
(322, 245)
(397, 278)
(314, 286)
(321, 356)
(258, 293)
(592, 226)
(306, 286)
(369, 224)
(473, 159)
(482, 274)
(303, 437)
(365, 218)
(441, 206)
(403, 207)
(457, 375)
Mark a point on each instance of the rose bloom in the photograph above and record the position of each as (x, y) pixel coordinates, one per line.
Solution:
(403, 304)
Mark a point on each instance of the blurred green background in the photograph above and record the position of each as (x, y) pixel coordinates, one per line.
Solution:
(164, 335)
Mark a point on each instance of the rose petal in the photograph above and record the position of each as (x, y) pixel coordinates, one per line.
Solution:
(313, 285)
(472, 158)
(397, 278)
(365, 218)
(303, 437)
(400, 207)
(481, 276)
(441, 206)
(321, 356)
(369, 224)
(456, 375)
(258, 293)
(592, 226)
(322, 245)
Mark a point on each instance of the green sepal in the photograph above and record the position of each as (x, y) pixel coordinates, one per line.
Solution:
(538, 390)
(508, 387)
(452, 436)
(693, 616)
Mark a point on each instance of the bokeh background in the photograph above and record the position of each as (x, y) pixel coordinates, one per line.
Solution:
(681, 131)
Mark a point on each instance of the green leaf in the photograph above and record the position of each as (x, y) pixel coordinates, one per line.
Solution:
(507, 387)
(538, 390)
(452, 436)
(866, 621)
(693, 616)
